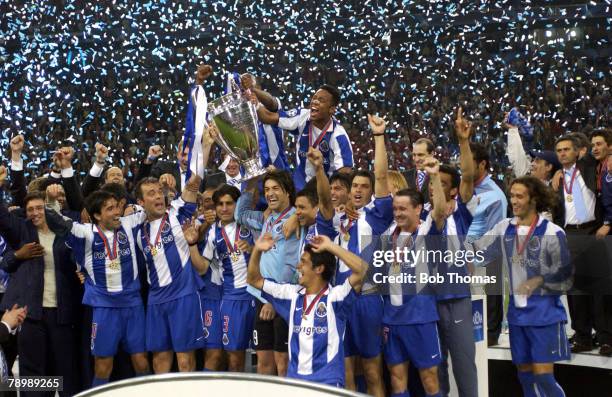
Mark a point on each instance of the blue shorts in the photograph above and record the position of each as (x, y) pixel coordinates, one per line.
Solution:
(212, 323)
(237, 318)
(175, 325)
(363, 335)
(112, 326)
(538, 344)
(417, 343)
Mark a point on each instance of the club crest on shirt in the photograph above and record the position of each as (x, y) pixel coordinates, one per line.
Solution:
(324, 146)
(321, 310)
(244, 233)
(534, 244)
(291, 113)
(121, 237)
(477, 318)
(166, 227)
(225, 339)
(277, 228)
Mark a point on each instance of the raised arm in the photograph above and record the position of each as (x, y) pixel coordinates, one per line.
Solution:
(145, 167)
(266, 116)
(249, 82)
(191, 189)
(381, 162)
(326, 208)
(11, 226)
(264, 243)
(358, 267)
(438, 213)
(18, 185)
(463, 129)
(93, 178)
(74, 196)
(244, 213)
(516, 153)
(58, 224)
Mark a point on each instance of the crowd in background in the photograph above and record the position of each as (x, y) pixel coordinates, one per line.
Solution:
(75, 73)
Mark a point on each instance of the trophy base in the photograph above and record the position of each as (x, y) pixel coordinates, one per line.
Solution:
(252, 169)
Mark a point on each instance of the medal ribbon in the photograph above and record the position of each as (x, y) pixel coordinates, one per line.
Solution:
(601, 171)
(520, 248)
(229, 246)
(111, 255)
(307, 310)
(571, 185)
(280, 218)
(146, 235)
(348, 226)
(320, 138)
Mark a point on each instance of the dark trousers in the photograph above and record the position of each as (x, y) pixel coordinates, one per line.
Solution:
(495, 300)
(589, 312)
(588, 301)
(46, 348)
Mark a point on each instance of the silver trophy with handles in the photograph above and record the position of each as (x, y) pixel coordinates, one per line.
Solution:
(235, 117)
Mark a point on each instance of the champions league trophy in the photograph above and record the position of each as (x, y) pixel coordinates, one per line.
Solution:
(236, 119)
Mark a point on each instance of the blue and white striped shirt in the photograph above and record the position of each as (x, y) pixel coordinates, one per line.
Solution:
(234, 273)
(450, 239)
(316, 347)
(335, 145)
(105, 285)
(170, 272)
(546, 254)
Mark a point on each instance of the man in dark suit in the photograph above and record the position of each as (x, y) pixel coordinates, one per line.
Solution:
(417, 177)
(43, 278)
(580, 213)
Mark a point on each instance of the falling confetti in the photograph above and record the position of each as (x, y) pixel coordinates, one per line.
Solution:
(118, 72)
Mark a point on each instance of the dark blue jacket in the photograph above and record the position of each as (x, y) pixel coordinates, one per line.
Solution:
(606, 195)
(27, 277)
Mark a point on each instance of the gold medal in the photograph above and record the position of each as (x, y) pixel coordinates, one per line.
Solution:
(569, 198)
(517, 260)
(346, 236)
(153, 251)
(234, 256)
(115, 264)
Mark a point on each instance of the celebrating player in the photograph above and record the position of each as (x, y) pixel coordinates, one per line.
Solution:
(229, 244)
(106, 251)
(537, 257)
(316, 311)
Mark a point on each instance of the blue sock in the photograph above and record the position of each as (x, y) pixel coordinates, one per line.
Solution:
(548, 384)
(405, 393)
(527, 383)
(207, 370)
(98, 381)
(138, 374)
(438, 394)
(361, 384)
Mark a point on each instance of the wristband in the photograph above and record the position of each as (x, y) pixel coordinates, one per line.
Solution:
(193, 245)
(151, 158)
(381, 134)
